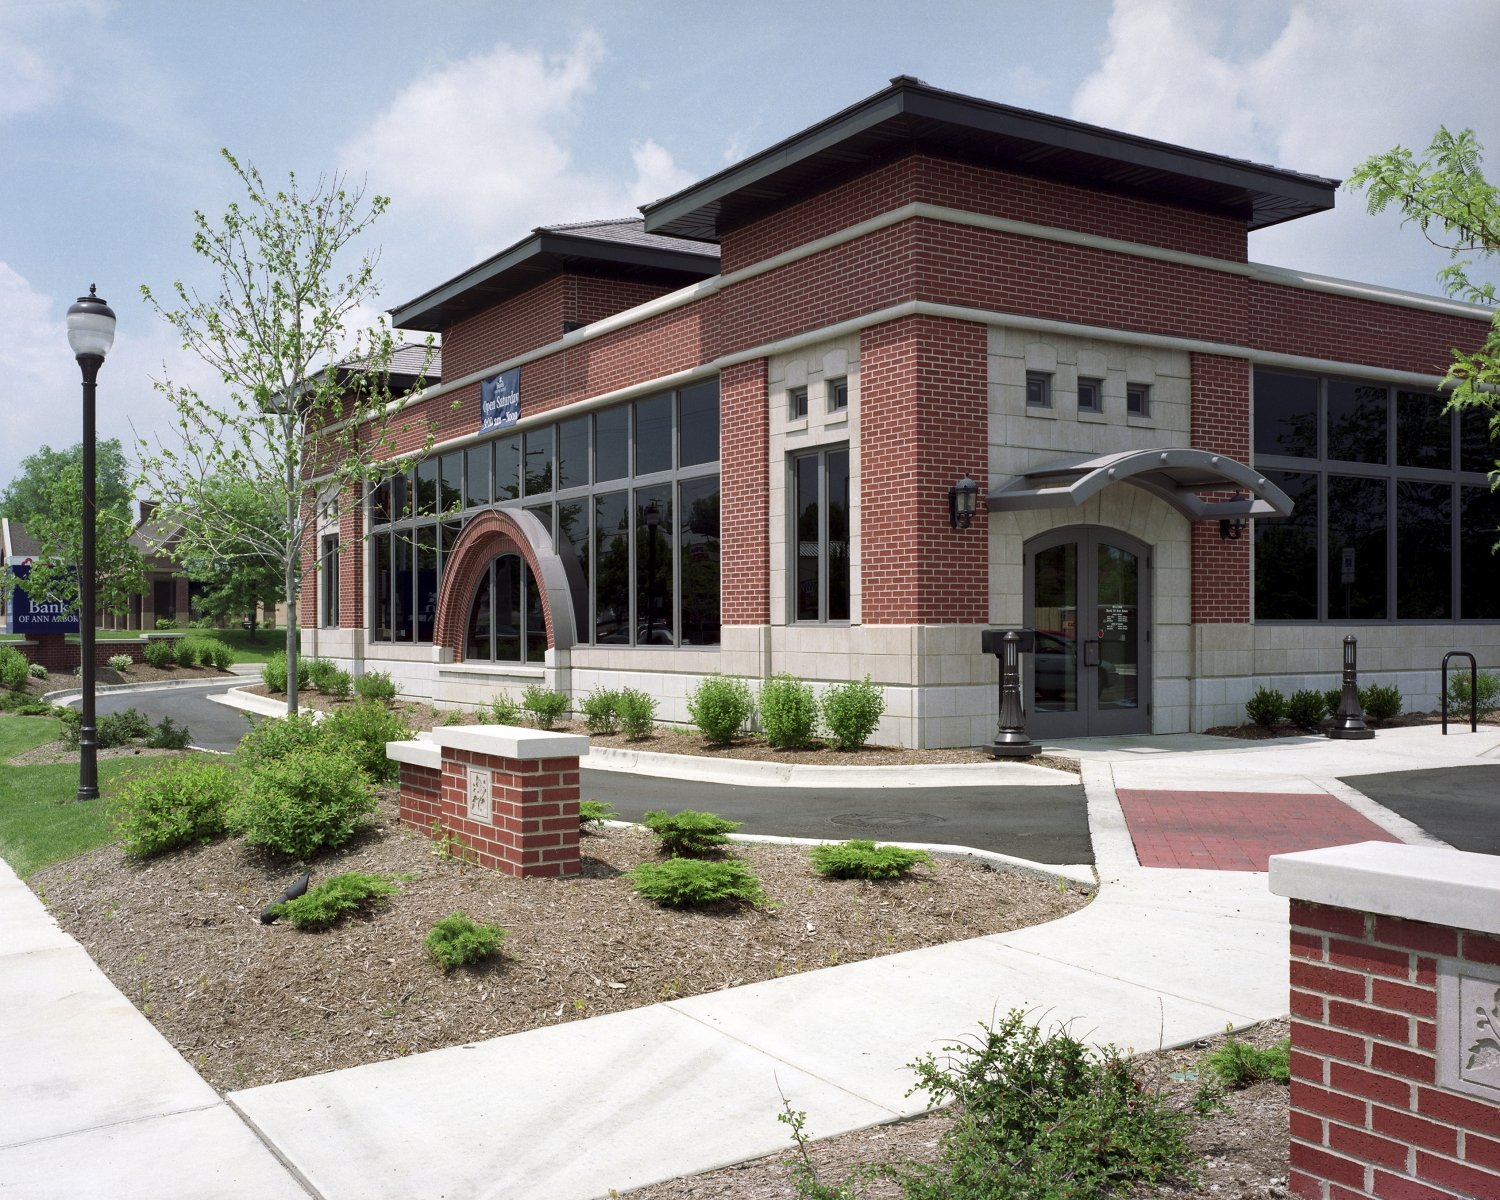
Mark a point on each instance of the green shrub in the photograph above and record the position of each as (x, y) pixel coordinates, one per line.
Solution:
(787, 711)
(201, 623)
(72, 726)
(600, 713)
(1305, 709)
(504, 709)
(637, 713)
(1238, 1065)
(1332, 698)
(272, 738)
(120, 662)
(1381, 702)
(457, 941)
(851, 711)
(690, 881)
(168, 735)
(320, 907)
(544, 705)
(223, 656)
(318, 671)
(37, 671)
(689, 832)
(595, 813)
(14, 668)
(361, 732)
(375, 685)
(1266, 707)
(864, 860)
(117, 729)
(720, 706)
(273, 674)
(175, 805)
(1488, 691)
(186, 653)
(1039, 1118)
(160, 654)
(305, 803)
(168, 623)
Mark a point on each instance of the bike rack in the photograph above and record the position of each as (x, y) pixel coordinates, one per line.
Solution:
(1473, 690)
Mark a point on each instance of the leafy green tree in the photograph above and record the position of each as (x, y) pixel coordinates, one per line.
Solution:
(236, 584)
(24, 497)
(1445, 194)
(119, 569)
(291, 425)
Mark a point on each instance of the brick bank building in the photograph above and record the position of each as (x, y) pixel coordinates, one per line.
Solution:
(740, 419)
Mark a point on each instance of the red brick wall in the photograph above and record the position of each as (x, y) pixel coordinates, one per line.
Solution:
(924, 419)
(744, 491)
(351, 560)
(1368, 1118)
(534, 812)
(56, 653)
(993, 193)
(1220, 422)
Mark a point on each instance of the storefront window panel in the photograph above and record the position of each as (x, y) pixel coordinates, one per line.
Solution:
(654, 600)
(1286, 415)
(539, 461)
(698, 424)
(427, 487)
(1424, 551)
(543, 513)
(1479, 530)
(1055, 618)
(573, 549)
(612, 569)
(509, 619)
(1357, 519)
(480, 627)
(699, 554)
(405, 622)
(1477, 448)
(612, 444)
(1357, 422)
(451, 483)
(507, 469)
(329, 569)
(573, 453)
(1424, 432)
(426, 581)
(536, 619)
(838, 535)
(380, 503)
(401, 497)
(1286, 553)
(449, 531)
(384, 586)
(809, 536)
(477, 476)
(653, 435)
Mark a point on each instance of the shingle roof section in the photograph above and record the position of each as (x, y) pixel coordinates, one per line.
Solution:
(631, 231)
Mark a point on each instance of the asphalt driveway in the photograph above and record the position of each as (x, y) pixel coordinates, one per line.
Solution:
(213, 726)
(1458, 804)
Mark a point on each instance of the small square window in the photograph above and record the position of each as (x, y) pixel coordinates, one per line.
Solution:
(838, 395)
(1038, 390)
(1090, 395)
(1138, 399)
(798, 399)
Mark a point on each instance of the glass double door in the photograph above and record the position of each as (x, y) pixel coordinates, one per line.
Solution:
(1088, 596)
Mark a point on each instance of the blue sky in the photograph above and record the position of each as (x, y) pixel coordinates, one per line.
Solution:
(483, 120)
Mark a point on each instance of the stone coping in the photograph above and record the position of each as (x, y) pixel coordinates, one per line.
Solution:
(419, 753)
(510, 741)
(1422, 883)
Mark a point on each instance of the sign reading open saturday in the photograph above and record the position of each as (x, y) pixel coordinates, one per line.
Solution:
(500, 400)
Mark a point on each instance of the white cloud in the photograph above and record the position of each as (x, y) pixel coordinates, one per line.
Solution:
(1340, 80)
(479, 149)
(25, 82)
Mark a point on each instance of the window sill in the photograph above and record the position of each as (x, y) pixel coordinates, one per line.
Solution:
(515, 670)
(1089, 417)
(797, 426)
(838, 418)
(1138, 422)
(1036, 410)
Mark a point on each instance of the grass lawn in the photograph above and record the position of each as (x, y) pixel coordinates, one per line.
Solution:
(40, 824)
(266, 642)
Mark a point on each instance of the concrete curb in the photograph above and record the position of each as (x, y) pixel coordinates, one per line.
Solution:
(68, 695)
(749, 772)
(1080, 874)
(262, 706)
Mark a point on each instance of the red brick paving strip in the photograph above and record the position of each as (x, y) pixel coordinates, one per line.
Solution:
(1238, 831)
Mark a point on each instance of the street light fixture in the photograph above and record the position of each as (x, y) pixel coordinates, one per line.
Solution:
(91, 333)
(963, 502)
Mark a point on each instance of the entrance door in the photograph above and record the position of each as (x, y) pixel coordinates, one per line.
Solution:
(1088, 596)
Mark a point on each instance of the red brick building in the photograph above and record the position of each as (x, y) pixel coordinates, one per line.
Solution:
(720, 439)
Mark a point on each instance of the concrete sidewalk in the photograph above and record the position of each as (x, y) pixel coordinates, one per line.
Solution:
(93, 1100)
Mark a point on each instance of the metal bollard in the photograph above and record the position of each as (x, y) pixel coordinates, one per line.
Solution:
(1011, 738)
(1348, 722)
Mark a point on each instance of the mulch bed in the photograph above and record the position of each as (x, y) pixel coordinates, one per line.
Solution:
(249, 1004)
(1245, 1154)
(60, 681)
(51, 753)
(1255, 733)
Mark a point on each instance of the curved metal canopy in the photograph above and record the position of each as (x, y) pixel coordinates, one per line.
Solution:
(1176, 476)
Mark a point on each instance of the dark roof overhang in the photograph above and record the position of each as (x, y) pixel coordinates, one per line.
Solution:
(910, 117)
(543, 255)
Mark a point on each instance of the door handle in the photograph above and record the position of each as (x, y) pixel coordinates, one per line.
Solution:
(1091, 654)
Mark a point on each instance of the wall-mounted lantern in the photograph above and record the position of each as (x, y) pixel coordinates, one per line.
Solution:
(1231, 528)
(963, 502)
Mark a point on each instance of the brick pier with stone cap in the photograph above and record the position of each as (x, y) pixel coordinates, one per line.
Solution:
(1395, 999)
(510, 794)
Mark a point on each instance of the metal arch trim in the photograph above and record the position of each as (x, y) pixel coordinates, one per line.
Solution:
(554, 578)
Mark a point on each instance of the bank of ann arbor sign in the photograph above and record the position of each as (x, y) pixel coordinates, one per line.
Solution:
(25, 615)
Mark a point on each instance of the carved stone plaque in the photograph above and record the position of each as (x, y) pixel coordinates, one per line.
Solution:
(479, 794)
(1468, 997)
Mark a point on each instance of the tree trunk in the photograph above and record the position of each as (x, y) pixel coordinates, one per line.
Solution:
(293, 571)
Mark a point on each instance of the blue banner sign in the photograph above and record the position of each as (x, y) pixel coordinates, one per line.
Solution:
(500, 400)
(25, 615)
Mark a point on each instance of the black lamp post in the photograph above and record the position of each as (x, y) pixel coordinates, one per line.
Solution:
(1348, 722)
(653, 519)
(91, 332)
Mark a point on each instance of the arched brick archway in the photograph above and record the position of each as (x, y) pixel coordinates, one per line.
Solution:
(493, 532)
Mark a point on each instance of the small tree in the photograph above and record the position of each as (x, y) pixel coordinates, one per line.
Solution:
(246, 578)
(1446, 195)
(294, 425)
(25, 496)
(58, 526)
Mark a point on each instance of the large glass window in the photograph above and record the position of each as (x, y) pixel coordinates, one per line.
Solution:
(328, 567)
(506, 620)
(1378, 531)
(820, 535)
(642, 563)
